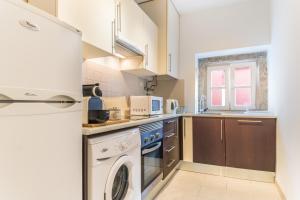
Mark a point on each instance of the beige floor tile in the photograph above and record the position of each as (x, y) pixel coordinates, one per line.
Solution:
(195, 186)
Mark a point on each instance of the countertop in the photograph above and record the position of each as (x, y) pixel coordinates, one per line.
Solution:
(134, 123)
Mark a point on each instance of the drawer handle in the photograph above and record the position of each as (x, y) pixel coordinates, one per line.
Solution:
(171, 163)
(172, 121)
(250, 121)
(29, 25)
(171, 135)
(171, 149)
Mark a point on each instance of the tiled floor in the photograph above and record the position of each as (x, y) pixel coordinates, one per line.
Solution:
(195, 186)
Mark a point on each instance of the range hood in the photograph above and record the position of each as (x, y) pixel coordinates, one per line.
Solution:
(125, 49)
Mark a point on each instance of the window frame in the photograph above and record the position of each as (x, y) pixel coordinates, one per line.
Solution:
(229, 85)
(253, 67)
(209, 87)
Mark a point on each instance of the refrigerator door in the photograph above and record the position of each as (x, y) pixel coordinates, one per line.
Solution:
(40, 152)
(37, 53)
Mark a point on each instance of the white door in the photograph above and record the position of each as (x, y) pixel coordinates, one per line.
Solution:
(37, 52)
(151, 45)
(129, 23)
(188, 139)
(173, 40)
(120, 181)
(40, 152)
(93, 17)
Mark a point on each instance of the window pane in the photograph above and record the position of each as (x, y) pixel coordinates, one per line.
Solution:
(242, 76)
(217, 97)
(218, 78)
(243, 97)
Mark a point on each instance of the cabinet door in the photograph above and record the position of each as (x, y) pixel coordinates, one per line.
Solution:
(187, 139)
(129, 23)
(93, 17)
(251, 143)
(208, 141)
(151, 45)
(46, 5)
(172, 40)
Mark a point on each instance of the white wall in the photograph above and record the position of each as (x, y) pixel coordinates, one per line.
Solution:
(113, 82)
(285, 92)
(239, 25)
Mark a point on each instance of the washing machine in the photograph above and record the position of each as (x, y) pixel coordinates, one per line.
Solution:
(114, 166)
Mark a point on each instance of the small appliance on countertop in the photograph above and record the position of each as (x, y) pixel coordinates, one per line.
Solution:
(93, 111)
(146, 105)
(172, 106)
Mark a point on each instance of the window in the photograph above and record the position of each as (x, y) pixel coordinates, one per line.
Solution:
(232, 86)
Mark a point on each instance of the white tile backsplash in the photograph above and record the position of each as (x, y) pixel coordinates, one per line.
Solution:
(113, 82)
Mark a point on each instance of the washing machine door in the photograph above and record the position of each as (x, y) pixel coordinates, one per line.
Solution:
(119, 184)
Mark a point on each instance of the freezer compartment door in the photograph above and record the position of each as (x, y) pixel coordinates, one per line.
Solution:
(37, 53)
(41, 157)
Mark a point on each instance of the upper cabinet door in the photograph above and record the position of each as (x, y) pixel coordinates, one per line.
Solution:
(151, 45)
(93, 17)
(172, 40)
(129, 23)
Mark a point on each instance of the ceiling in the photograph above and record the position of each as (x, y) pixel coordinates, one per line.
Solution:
(186, 6)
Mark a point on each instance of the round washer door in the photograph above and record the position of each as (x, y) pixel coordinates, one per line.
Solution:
(119, 182)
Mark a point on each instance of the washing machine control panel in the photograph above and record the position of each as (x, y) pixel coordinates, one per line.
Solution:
(116, 145)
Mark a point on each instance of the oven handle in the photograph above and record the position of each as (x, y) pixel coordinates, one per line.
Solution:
(146, 151)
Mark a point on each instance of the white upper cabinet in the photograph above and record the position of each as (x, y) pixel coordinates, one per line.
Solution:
(134, 27)
(151, 45)
(173, 40)
(129, 24)
(93, 17)
(165, 15)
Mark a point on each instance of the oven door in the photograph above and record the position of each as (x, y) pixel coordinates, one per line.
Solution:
(151, 163)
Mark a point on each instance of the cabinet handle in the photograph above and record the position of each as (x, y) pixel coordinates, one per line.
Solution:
(222, 130)
(29, 25)
(147, 55)
(113, 36)
(171, 121)
(171, 135)
(184, 127)
(250, 121)
(170, 60)
(171, 163)
(171, 149)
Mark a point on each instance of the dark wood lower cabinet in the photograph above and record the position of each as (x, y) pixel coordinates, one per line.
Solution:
(209, 140)
(251, 143)
(171, 148)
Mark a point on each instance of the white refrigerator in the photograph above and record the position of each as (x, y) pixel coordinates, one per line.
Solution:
(40, 109)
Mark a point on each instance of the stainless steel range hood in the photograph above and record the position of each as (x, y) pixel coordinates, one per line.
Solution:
(123, 48)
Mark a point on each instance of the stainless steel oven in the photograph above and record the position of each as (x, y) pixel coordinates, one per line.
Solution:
(152, 155)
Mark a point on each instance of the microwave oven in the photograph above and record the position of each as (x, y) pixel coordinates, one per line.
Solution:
(146, 105)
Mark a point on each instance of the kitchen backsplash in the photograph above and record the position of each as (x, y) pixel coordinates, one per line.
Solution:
(113, 82)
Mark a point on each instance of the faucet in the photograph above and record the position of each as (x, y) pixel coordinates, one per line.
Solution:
(203, 104)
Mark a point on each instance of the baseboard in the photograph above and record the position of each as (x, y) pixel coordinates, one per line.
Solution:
(245, 174)
(282, 195)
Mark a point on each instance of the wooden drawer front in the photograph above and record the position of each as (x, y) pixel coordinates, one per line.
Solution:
(170, 126)
(171, 157)
(251, 143)
(171, 139)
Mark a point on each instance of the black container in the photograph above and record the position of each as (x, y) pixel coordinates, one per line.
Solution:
(98, 116)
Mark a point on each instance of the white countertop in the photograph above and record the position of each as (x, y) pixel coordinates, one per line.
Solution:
(134, 123)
